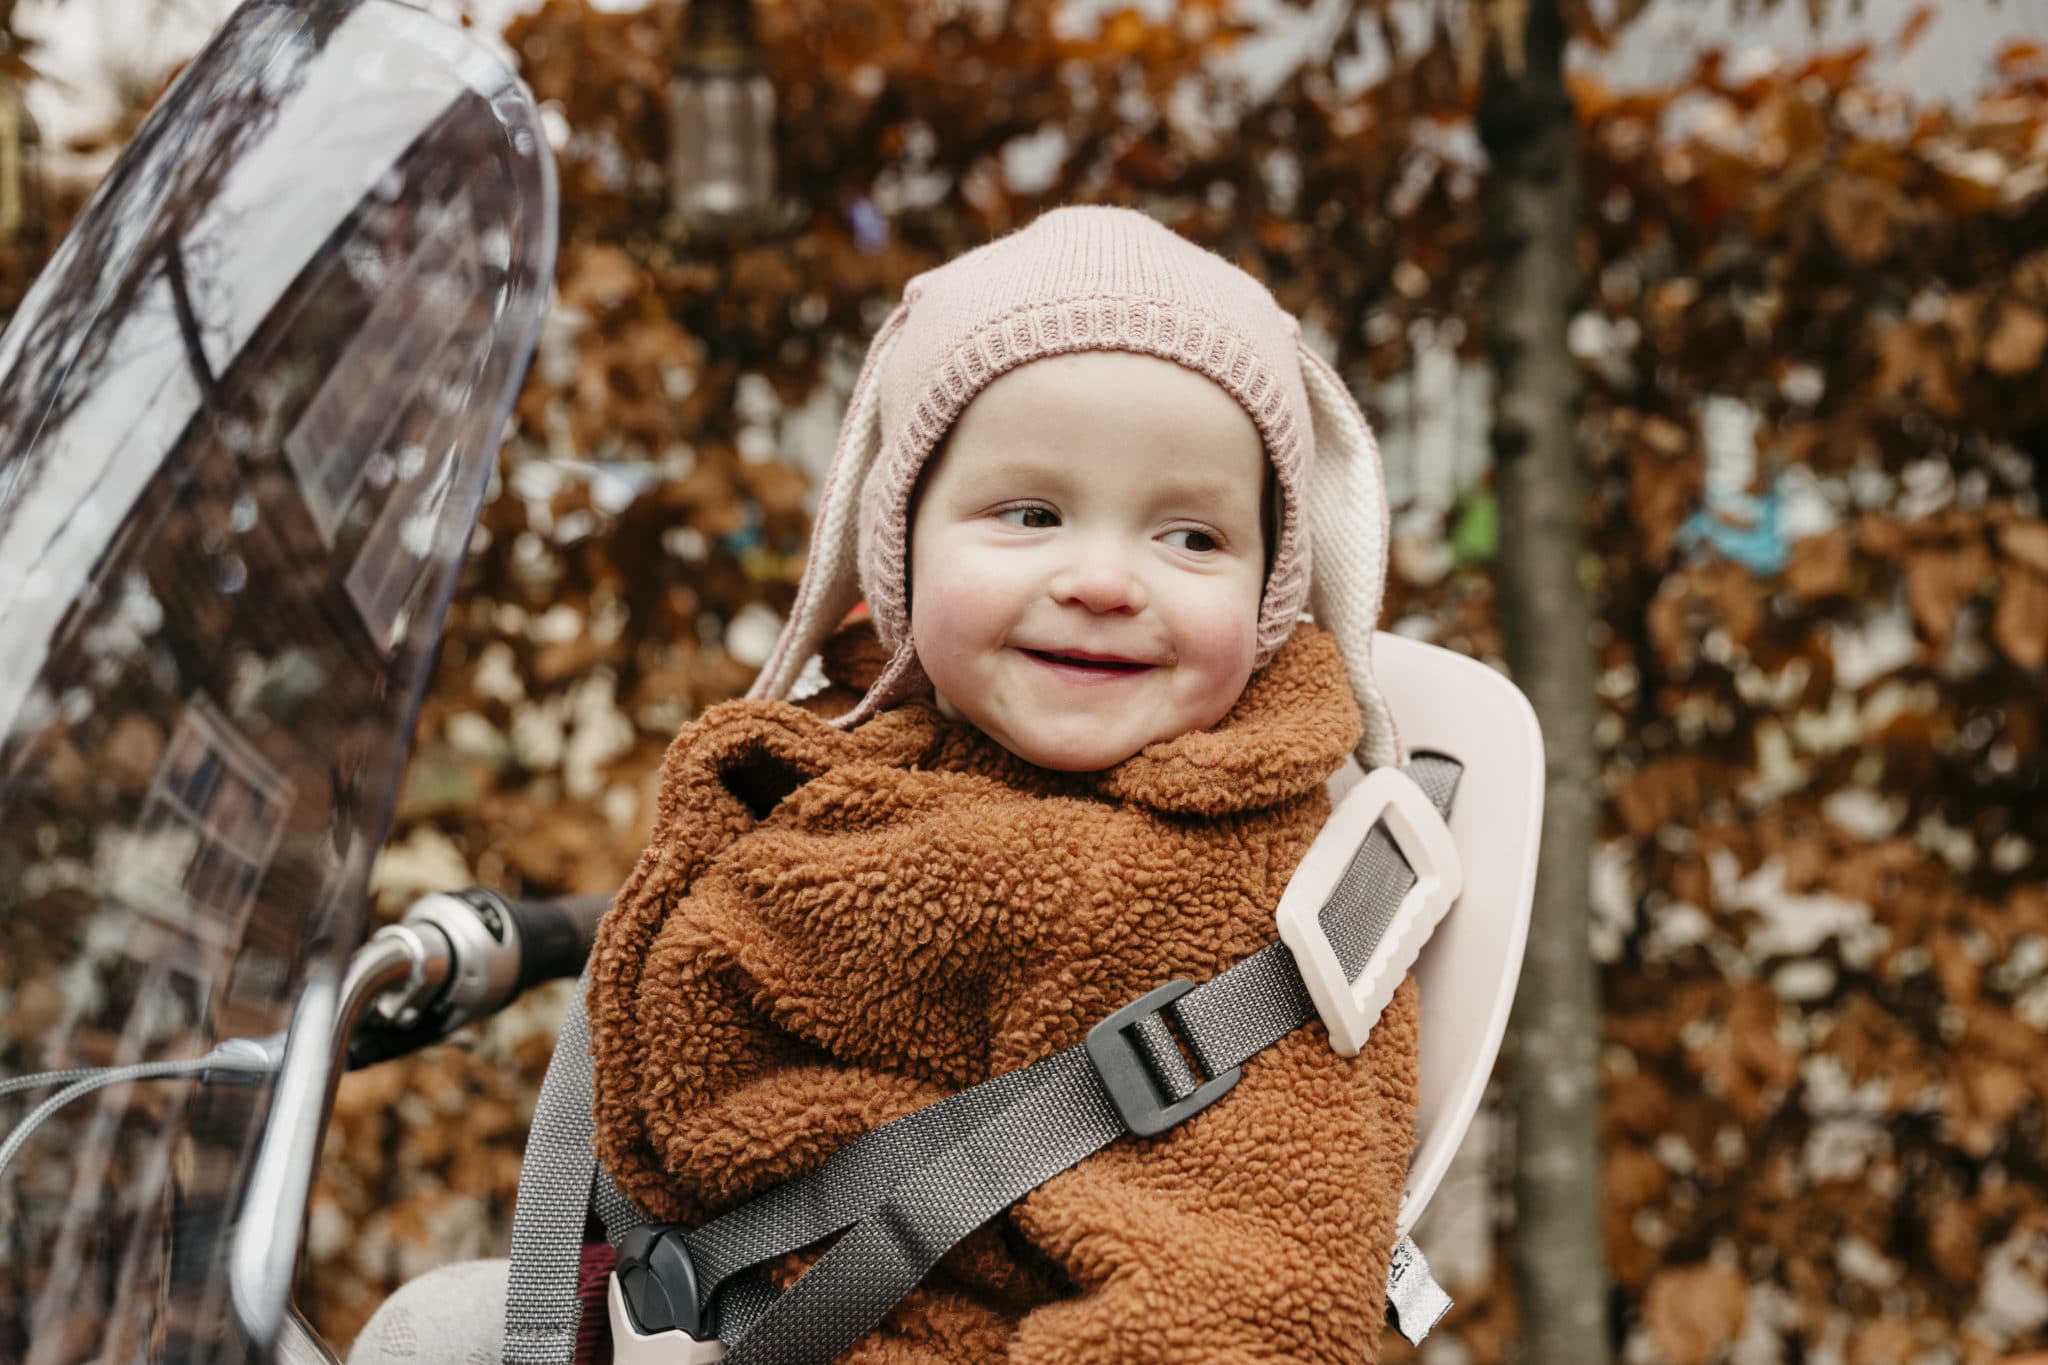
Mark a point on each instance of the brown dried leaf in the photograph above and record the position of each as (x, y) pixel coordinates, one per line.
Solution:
(1939, 579)
(1859, 216)
(1956, 1242)
(1667, 791)
(599, 277)
(1922, 16)
(658, 343)
(1694, 1313)
(2029, 279)
(1996, 1090)
(1665, 436)
(566, 659)
(2027, 541)
(1955, 968)
(2018, 335)
(1913, 365)
(1746, 1062)
(1634, 1177)
(1670, 634)
(1887, 1341)
(1879, 535)
(62, 771)
(1963, 317)
(1738, 601)
(1964, 196)
(1819, 565)
(1980, 1100)
(2020, 623)
(133, 750)
(37, 1008)
(1661, 492)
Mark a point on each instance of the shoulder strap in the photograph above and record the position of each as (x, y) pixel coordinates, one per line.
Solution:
(559, 1184)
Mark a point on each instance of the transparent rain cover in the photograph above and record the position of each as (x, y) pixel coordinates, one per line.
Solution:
(247, 415)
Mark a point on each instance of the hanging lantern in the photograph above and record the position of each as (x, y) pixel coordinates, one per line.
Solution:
(21, 179)
(721, 124)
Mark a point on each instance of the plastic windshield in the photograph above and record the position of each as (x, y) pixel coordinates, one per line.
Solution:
(246, 418)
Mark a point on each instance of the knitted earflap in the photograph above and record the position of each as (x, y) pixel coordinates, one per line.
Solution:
(1348, 534)
(831, 583)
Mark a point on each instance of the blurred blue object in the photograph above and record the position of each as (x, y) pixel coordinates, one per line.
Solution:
(1740, 527)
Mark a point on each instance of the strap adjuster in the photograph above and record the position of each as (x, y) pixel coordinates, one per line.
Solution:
(1390, 798)
(1129, 1081)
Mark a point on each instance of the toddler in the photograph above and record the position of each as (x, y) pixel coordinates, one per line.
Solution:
(1074, 751)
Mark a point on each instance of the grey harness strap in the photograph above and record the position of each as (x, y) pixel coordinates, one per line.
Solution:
(1065, 1118)
(911, 1189)
(560, 1181)
(555, 1196)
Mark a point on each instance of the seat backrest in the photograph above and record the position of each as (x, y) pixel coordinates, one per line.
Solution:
(1449, 704)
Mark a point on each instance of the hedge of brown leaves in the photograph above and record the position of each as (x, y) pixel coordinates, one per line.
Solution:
(1826, 902)
(1816, 418)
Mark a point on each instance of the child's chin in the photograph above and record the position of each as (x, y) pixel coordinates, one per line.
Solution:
(1082, 754)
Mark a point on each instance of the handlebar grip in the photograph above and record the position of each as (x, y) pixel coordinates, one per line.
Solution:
(554, 936)
(375, 1041)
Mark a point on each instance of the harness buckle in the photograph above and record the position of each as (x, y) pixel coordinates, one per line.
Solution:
(1121, 1066)
(652, 1301)
(1390, 798)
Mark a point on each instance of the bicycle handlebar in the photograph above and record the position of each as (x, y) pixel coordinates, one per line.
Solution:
(473, 952)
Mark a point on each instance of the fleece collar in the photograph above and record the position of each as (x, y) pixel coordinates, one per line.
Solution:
(1293, 727)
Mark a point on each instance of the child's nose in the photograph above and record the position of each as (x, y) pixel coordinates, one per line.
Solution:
(1102, 579)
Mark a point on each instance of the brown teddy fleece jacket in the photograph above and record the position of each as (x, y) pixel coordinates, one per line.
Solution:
(831, 929)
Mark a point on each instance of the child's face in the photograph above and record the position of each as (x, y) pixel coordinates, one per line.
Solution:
(1087, 558)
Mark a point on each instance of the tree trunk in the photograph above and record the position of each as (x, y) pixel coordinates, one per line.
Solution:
(1525, 122)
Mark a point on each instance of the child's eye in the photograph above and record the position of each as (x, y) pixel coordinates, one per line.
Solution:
(1200, 542)
(1031, 518)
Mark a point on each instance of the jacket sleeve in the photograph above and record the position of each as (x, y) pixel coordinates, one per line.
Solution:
(1260, 1229)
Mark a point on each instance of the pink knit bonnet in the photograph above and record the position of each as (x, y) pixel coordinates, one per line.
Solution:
(1094, 279)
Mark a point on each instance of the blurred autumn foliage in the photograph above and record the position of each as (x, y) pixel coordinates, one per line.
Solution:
(1815, 421)
(1816, 428)
(1818, 424)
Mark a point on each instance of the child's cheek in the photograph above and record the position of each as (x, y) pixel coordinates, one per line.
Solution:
(1216, 649)
(954, 616)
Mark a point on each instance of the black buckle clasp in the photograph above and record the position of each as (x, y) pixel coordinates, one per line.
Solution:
(658, 1280)
(1124, 1074)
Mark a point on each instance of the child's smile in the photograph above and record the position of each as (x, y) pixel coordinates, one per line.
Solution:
(1084, 666)
(1087, 558)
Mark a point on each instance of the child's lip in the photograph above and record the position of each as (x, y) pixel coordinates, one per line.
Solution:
(1084, 658)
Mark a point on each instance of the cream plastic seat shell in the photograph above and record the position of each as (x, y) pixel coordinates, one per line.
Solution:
(1446, 703)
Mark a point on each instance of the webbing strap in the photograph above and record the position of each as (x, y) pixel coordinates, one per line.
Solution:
(614, 1210)
(1064, 1118)
(555, 1194)
(848, 1184)
(1358, 913)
